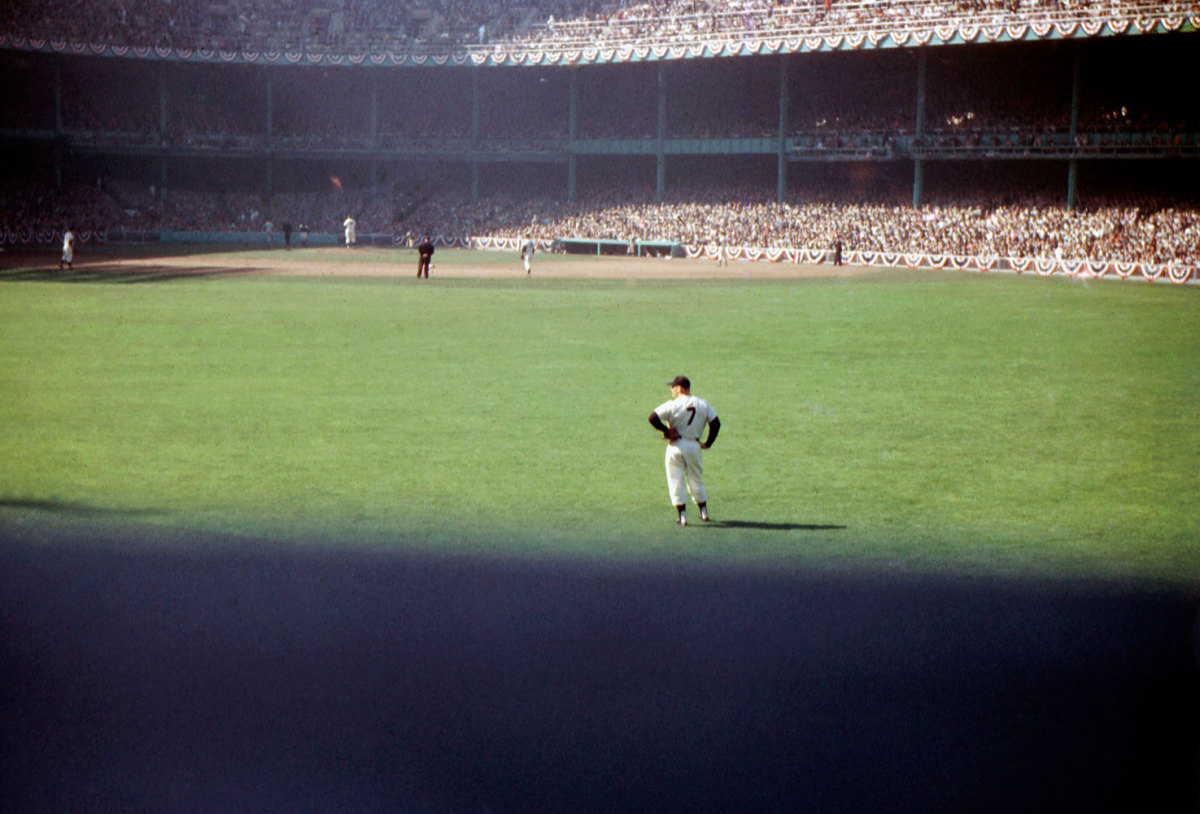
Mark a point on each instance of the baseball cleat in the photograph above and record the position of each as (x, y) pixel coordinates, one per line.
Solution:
(704, 515)
(682, 521)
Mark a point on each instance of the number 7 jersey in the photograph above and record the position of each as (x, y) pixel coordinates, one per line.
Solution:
(687, 414)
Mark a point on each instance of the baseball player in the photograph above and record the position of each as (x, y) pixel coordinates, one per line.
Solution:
(681, 422)
(424, 257)
(68, 249)
(527, 250)
(349, 226)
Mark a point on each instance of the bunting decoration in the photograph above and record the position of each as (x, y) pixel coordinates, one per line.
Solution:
(24, 238)
(1042, 266)
(748, 43)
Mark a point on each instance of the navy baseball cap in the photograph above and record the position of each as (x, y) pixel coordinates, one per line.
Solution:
(680, 381)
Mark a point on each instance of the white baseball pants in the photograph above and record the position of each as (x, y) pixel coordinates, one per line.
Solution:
(685, 472)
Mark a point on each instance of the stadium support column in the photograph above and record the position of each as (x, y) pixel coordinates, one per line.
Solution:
(919, 129)
(267, 83)
(660, 146)
(1072, 182)
(781, 171)
(270, 129)
(374, 134)
(58, 123)
(1073, 164)
(163, 98)
(474, 161)
(58, 120)
(572, 132)
(374, 110)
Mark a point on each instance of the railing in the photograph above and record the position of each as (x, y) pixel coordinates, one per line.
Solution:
(1037, 144)
(863, 145)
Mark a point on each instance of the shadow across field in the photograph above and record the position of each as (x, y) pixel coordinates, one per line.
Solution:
(221, 674)
(117, 273)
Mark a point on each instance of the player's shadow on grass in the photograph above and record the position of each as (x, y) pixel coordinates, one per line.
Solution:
(66, 507)
(116, 274)
(755, 524)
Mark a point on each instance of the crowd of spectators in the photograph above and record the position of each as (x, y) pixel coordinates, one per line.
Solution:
(857, 102)
(1126, 229)
(1137, 231)
(440, 26)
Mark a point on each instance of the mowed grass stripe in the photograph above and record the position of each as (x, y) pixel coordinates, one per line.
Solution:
(950, 422)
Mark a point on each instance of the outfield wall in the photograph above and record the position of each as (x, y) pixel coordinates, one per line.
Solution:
(1041, 266)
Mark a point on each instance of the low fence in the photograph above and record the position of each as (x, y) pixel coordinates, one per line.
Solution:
(621, 248)
(1042, 266)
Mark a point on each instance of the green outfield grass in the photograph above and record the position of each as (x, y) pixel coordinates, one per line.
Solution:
(952, 423)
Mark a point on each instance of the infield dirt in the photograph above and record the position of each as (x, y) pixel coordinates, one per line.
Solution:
(104, 261)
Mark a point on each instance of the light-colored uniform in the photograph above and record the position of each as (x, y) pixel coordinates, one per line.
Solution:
(68, 251)
(688, 415)
(527, 250)
(349, 225)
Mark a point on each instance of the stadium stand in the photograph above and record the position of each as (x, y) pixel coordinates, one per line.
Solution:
(796, 148)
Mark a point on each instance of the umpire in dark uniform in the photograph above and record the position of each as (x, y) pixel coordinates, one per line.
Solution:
(424, 255)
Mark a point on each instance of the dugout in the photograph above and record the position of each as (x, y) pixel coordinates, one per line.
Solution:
(623, 248)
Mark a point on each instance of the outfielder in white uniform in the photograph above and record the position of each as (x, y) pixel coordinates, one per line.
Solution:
(68, 249)
(681, 421)
(349, 225)
(527, 250)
